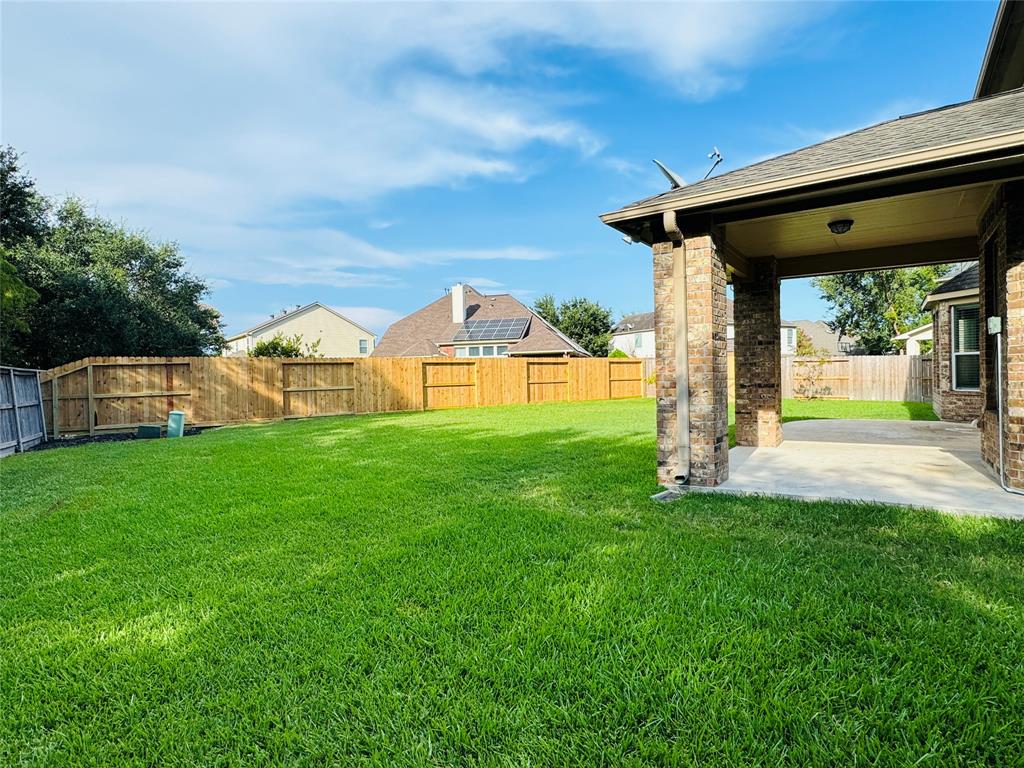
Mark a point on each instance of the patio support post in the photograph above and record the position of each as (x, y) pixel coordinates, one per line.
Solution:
(758, 356)
(696, 260)
(1001, 283)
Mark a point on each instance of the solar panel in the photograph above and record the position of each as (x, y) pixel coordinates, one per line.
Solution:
(499, 329)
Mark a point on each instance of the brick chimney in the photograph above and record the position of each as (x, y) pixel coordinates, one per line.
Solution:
(458, 303)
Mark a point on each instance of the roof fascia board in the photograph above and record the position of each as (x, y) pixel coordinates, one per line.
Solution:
(993, 39)
(958, 150)
(300, 311)
(935, 298)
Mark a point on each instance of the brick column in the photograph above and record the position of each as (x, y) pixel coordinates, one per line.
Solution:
(758, 357)
(707, 361)
(1001, 283)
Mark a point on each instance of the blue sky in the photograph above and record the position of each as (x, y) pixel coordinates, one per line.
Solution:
(368, 155)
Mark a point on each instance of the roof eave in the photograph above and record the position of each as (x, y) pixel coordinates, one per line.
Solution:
(935, 298)
(950, 154)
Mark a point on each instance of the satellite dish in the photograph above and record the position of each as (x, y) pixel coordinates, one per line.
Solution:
(674, 179)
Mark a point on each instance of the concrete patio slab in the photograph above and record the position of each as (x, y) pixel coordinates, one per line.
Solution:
(929, 464)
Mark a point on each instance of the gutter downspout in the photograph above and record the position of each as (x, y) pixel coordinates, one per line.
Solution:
(682, 348)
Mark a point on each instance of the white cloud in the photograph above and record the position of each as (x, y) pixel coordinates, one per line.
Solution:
(195, 120)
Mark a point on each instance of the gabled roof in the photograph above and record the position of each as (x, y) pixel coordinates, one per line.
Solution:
(642, 321)
(963, 284)
(277, 320)
(944, 134)
(421, 333)
(1003, 66)
(964, 280)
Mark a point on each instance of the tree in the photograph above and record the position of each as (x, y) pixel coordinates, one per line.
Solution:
(104, 290)
(23, 211)
(22, 221)
(805, 345)
(584, 321)
(280, 345)
(874, 307)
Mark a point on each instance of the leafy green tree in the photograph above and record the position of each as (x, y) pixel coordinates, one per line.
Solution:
(874, 307)
(23, 211)
(584, 321)
(104, 290)
(617, 353)
(22, 221)
(280, 345)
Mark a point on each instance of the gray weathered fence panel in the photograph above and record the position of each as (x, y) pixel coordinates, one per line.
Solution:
(22, 424)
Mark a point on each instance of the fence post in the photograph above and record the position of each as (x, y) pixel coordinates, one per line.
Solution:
(56, 407)
(42, 418)
(92, 418)
(17, 416)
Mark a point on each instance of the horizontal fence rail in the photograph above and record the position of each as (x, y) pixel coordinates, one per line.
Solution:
(22, 423)
(100, 394)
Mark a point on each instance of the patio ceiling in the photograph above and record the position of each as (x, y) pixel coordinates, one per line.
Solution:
(931, 227)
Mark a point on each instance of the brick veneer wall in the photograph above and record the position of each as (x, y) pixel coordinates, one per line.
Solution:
(707, 360)
(949, 404)
(1002, 266)
(758, 357)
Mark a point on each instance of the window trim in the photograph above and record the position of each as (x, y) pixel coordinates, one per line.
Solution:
(364, 347)
(953, 354)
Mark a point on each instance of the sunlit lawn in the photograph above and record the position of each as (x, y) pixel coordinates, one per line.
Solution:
(487, 586)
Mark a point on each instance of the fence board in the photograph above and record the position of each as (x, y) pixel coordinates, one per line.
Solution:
(126, 392)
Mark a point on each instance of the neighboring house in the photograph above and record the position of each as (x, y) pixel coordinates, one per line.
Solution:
(913, 339)
(467, 323)
(339, 336)
(824, 339)
(634, 335)
(956, 352)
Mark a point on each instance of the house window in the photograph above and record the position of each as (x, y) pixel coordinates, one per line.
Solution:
(638, 341)
(790, 338)
(966, 346)
(487, 350)
(363, 346)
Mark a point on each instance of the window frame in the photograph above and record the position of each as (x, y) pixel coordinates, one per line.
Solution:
(953, 354)
(364, 347)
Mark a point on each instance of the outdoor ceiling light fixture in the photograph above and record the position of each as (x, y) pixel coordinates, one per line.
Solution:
(840, 226)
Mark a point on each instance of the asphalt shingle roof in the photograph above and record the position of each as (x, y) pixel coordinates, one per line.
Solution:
(961, 281)
(420, 334)
(938, 127)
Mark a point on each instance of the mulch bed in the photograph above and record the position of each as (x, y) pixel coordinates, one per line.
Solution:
(113, 437)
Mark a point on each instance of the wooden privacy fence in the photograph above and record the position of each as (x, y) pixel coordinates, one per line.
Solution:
(858, 377)
(21, 410)
(114, 393)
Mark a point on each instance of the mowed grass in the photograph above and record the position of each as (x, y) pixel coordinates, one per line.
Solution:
(486, 587)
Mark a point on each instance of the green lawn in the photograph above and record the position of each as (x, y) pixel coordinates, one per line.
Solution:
(487, 586)
(800, 410)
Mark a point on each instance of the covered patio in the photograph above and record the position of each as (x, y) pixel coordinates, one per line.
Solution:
(941, 186)
(914, 463)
